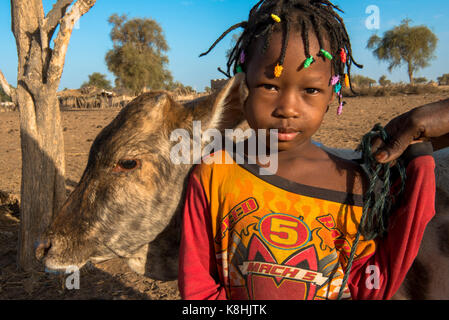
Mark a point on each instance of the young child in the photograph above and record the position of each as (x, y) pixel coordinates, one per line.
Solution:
(289, 235)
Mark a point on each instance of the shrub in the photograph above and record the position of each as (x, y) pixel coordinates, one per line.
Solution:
(443, 80)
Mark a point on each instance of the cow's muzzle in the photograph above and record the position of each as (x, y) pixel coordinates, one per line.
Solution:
(42, 248)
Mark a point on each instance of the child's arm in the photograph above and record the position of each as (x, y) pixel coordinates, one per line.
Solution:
(198, 276)
(396, 252)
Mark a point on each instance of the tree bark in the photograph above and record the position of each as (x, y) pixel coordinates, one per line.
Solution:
(42, 142)
(410, 73)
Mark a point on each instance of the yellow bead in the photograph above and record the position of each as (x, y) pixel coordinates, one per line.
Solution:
(278, 71)
(275, 18)
(346, 80)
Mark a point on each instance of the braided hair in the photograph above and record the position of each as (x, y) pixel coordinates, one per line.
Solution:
(319, 16)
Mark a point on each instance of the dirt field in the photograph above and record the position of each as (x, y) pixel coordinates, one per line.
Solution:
(113, 279)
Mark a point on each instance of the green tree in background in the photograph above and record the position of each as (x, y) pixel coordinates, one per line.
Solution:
(98, 80)
(443, 80)
(138, 57)
(362, 81)
(208, 90)
(412, 46)
(179, 88)
(421, 80)
(383, 81)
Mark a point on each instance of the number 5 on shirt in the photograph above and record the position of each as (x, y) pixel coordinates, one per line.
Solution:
(284, 231)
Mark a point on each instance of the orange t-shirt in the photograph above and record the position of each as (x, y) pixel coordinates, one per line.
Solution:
(265, 237)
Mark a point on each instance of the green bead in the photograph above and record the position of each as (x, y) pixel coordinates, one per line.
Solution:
(326, 54)
(239, 69)
(308, 62)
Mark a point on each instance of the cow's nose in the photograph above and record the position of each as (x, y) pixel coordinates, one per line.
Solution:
(42, 248)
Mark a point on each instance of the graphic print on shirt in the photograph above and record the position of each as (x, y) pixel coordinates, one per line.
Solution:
(236, 214)
(260, 272)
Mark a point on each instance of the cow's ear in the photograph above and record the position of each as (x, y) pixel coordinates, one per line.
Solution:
(152, 106)
(227, 108)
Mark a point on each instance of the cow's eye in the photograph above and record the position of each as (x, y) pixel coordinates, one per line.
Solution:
(126, 165)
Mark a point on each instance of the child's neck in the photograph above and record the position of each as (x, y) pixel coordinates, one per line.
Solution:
(305, 150)
(299, 154)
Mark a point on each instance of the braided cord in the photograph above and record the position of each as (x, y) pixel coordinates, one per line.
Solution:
(376, 211)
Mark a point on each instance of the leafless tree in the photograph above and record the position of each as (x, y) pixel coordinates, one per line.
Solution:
(40, 66)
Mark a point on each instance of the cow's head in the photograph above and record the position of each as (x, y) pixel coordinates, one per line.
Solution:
(128, 200)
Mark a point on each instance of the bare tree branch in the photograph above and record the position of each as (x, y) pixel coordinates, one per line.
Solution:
(27, 16)
(5, 86)
(54, 16)
(62, 40)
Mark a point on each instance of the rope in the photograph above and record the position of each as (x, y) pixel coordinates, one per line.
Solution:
(376, 210)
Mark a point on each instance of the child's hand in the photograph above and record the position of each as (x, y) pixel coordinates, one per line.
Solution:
(428, 122)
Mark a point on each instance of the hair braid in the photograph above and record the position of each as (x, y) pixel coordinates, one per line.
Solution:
(285, 42)
(305, 15)
(305, 36)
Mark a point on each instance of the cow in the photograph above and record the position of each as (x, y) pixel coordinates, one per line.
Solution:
(129, 200)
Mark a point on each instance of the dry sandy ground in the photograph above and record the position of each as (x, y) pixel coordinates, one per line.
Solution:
(113, 279)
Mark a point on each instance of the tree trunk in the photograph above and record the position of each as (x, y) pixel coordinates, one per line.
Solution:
(39, 73)
(43, 169)
(410, 73)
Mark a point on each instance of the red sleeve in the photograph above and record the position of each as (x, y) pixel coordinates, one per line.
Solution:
(198, 276)
(396, 252)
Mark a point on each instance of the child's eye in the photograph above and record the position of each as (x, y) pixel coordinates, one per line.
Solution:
(312, 91)
(269, 87)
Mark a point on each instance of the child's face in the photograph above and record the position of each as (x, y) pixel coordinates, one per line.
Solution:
(295, 103)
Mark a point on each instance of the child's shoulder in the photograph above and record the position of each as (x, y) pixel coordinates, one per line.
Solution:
(343, 173)
(355, 175)
(218, 161)
(346, 164)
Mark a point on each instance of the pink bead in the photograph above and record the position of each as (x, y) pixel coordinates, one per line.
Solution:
(340, 109)
(335, 80)
(242, 57)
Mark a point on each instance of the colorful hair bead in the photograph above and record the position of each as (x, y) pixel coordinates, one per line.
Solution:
(308, 62)
(242, 57)
(337, 87)
(340, 108)
(343, 55)
(347, 84)
(275, 18)
(326, 54)
(239, 69)
(335, 80)
(278, 71)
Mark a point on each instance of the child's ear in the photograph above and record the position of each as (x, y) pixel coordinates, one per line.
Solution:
(227, 109)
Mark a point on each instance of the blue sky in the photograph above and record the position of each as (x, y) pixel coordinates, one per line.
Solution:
(191, 26)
